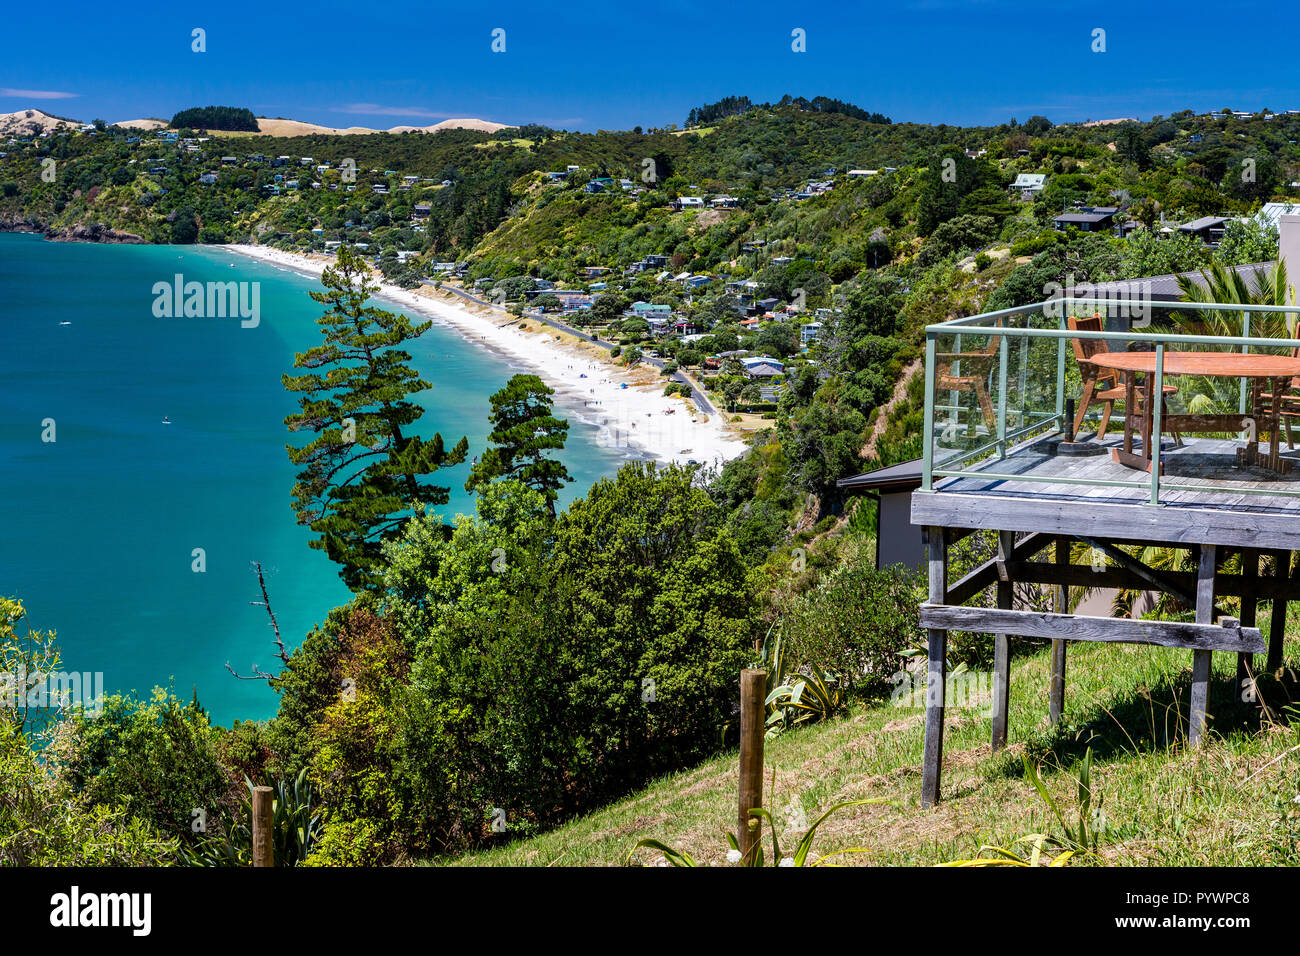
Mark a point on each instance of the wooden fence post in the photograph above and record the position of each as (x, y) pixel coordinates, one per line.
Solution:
(1002, 644)
(263, 848)
(1202, 660)
(753, 694)
(1249, 607)
(936, 546)
(1056, 679)
(1277, 621)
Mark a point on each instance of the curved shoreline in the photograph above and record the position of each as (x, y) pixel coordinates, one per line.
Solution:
(638, 417)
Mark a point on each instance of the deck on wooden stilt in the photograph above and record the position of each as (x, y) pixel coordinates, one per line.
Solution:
(1210, 502)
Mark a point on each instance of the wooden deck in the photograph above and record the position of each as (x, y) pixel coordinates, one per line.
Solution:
(1231, 514)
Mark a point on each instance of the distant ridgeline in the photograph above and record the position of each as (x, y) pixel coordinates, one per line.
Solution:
(735, 105)
(802, 194)
(227, 118)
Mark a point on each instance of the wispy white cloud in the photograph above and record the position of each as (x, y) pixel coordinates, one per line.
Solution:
(375, 109)
(38, 94)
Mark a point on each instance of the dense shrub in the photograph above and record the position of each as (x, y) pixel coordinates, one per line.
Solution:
(154, 759)
(961, 232)
(524, 664)
(856, 621)
(1033, 245)
(652, 593)
(43, 824)
(358, 761)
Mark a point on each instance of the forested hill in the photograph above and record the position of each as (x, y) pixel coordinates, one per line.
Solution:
(886, 226)
(816, 243)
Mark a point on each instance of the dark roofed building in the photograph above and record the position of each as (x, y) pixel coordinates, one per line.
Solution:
(1208, 228)
(898, 541)
(1165, 288)
(1096, 220)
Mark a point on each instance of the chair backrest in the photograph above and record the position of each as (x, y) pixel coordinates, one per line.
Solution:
(994, 342)
(1087, 348)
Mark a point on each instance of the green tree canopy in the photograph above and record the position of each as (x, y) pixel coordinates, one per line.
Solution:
(523, 430)
(361, 475)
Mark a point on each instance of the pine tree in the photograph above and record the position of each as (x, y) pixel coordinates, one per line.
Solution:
(523, 429)
(360, 480)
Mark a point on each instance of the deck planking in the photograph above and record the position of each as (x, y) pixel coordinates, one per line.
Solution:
(1227, 515)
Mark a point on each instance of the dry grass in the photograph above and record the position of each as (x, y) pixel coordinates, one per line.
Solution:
(1232, 802)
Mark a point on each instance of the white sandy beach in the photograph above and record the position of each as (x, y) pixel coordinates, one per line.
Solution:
(639, 418)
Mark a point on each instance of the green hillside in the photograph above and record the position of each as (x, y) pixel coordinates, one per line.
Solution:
(1235, 802)
(812, 237)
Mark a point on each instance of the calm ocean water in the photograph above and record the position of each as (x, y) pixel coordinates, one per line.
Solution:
(97, 528)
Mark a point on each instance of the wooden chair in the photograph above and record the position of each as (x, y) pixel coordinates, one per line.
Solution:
(974, 372)
(1101, 386)
(1287, 399)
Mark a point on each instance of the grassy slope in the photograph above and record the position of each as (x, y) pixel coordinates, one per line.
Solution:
(1165, 805)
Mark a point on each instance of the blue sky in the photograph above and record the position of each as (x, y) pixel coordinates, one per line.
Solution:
(644, 62)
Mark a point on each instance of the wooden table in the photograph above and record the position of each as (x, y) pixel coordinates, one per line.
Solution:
(1262, 370)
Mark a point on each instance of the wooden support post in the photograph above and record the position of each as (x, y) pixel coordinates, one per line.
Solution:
(1002, 643)
(1249, 606)
(936, 547)
(263, 846)
(1056, 681)
(1277, 625)
(1202, 660)
(753, 693)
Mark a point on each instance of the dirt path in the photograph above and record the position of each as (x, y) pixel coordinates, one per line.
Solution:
(882, 417)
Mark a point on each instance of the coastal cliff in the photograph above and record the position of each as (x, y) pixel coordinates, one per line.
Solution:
(79, 232)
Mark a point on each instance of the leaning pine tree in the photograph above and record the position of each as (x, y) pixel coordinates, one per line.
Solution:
(361, 476)
(523, 430)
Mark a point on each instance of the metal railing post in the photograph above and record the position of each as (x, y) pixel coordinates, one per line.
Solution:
(1022, 380)
(1060, 373)
(927, 436)
(1004, 351)
(1241, 388)
(954, 398)
(1156, 396)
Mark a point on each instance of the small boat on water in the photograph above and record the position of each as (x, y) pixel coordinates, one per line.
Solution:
(166, 420)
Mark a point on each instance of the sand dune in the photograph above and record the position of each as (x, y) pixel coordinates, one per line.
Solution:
(142, 124)
(286, 127)
(31, 122)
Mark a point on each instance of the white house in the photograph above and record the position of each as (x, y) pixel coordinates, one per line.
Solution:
(1029, 185)
(1272, 212)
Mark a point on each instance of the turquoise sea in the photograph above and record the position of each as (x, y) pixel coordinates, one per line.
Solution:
(98, 528)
